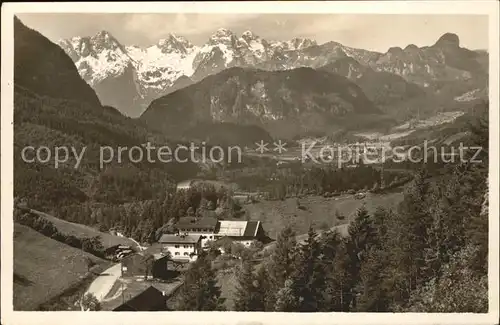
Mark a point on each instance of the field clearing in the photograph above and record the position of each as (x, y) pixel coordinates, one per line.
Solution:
(79, 230)
(45, 268)
(315, 211)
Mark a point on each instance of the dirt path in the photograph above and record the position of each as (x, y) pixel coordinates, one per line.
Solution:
(101, 286)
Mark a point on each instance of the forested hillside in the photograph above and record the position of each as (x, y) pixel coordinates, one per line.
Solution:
(428, 255)
(54, 107)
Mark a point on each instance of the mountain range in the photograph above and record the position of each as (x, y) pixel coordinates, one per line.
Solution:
(143, 74)
(284, 103)
(130, 77)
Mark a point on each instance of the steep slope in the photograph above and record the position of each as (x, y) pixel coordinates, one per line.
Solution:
(45, 268)
(285, 103)
(316, 56)
(53, 107)
(41, 66)
(106, 65)
(438, 66)
(383, 88)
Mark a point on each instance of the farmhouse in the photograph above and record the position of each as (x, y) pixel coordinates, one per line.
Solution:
(181, 246)
(210, 228)
(117, 252)
(244, 232)
(147, 265)
(204, 227)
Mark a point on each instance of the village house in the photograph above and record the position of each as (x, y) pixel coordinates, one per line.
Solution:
(243, 232)
(137, 265)
(204, 227)
(181, 246)
(153, 263)
(150, 299)
(117, 252)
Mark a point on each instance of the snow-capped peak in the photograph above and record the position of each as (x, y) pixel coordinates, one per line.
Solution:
(223, 32)
(97, 57)
(156, 68)
(248, 35)
(222, 36)
(174, 43)
(300, 43)
(103, 34)
(104, 40)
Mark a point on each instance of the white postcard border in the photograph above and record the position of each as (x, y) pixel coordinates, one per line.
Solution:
(11, 317)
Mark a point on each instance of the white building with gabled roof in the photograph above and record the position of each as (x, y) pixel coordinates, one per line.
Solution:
(181, 246)
(244, 232)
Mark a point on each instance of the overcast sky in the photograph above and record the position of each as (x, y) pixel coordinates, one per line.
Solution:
(367, 31)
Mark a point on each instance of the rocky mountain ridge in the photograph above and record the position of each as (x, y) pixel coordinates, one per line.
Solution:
(172, 63)
(130, 77)
(284, 103)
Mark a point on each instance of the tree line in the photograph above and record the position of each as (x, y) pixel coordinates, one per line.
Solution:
(92, 245)
(146, 221)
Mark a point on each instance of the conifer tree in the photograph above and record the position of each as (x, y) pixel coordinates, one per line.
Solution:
(362, 237)
(263, 288)
(250, 290)
(200, 291)
(374, 295)
(282, 259)
(362, 232)
(331, 260)
(414, 223)
(286, 299)
(308, 281)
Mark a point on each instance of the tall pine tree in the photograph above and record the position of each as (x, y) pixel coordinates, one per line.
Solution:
(282, 262)
(200, 291)
(308, 280)
(251, 289)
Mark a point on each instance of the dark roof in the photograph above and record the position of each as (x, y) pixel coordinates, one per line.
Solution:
(194, 223)
(150, 299)
(168, 238)
(135, 264)
(251, 229)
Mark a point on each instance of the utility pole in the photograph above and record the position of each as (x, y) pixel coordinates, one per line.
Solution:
(382, 180)
(123, 292)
